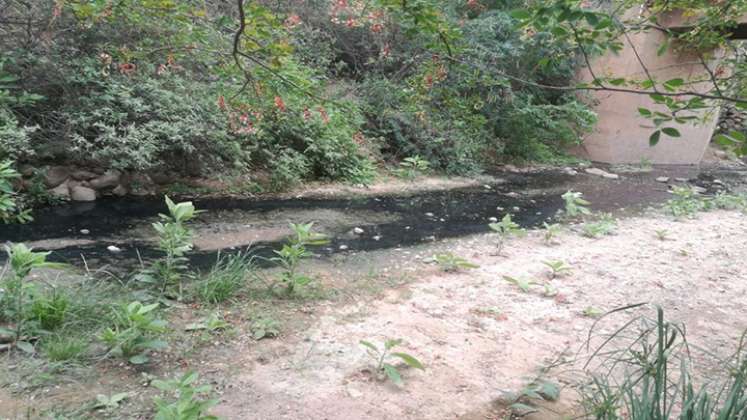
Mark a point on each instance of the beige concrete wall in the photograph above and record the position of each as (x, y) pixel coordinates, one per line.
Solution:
(622, 135)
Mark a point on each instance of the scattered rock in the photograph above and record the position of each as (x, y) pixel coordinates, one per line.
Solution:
(119, 191)
(493, 219)
(343, 247)
(377, 238)
(513, 194)
(499, 208)
(570, 171)
(26, 170)
(61, 191)
(516, 208)
(681, 179)
(109, 179)
(56, 175)
(112, 248)
(663, 179)
(358, 231)
(85, 231)
(429, 214)
(83, 175)
(81, 193)
(602, 173)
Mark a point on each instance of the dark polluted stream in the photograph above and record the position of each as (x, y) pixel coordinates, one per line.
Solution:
(76, 231)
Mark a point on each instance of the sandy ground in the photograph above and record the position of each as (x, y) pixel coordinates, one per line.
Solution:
(480, 336)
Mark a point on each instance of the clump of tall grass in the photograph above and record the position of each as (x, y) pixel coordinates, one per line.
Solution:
(650, 377)
(225, 279)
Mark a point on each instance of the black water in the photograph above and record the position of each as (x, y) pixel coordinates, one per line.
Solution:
(417, 218)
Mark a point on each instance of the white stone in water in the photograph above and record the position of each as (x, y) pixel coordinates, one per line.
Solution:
(493, 219)
(515, 208)
(512, 194)
(112, 248)
(85, 231)
(662, 179)
(487, 187)
(377, 238)
(343, 247)
(429, 214)
(358, 231)
(499, 208)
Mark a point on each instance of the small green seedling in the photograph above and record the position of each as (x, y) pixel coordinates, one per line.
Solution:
(575, 205)
(686, 203)
(411, 167)
(523, 284)
(110, 402)
(134, 333)
(505, 229)
(524, 403)
(292, 253)
(187, 400)
(602, 227)
(550, 290)
(557, 268)
(662, 234)
(552, 231)
(450, 262)
(212, 323)
(265, 328)
(592, 312)
(382, 355)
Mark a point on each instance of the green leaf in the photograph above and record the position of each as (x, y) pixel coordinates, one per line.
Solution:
(520, 14)
(644, 112)
(139, 359)
(369, 345)
(653, 140)
(410, 360)
(617, 82)
(392, 373)
(522, 410)
(390, 344)
(548, 390)
(671, 132)
(738, 136)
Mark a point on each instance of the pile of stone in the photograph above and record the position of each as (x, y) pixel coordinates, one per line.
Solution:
(732, 119)
(78, 184)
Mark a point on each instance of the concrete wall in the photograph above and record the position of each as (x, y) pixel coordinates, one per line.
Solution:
(621, 135)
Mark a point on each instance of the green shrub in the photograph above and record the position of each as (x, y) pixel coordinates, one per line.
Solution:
(50, 310)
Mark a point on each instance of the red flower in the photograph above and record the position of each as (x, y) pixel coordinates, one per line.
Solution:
(222, 103)
(292, 21)
(306, 114)
(323, 114)
(280, 104)
(127, 68)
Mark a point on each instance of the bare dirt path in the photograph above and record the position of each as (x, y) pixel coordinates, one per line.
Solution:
(480, 335)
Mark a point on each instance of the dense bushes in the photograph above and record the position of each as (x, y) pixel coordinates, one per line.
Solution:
(328, 88)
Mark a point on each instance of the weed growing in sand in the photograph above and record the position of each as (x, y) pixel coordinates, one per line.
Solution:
(175, 240)
(135, 332)
(214, 322)
(265, 327)
(685, 203)
(523, 284)
(575, 205)
(384, 355)
(187, 401)
(523, 403)
(225, 279)
(592, 312)
(295, 251)
(505, 229)
(557, 268)
(644, 369)
(662, 234)
(552, 231)
(64, 348)
(411, 167)
(16, 294)
(110, 403)
(450, 262)
(605, 225)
